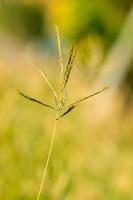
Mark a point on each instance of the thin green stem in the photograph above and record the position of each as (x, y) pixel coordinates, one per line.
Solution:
(48, 159)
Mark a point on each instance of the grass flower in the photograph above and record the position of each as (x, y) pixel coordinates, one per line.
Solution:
(61, 108)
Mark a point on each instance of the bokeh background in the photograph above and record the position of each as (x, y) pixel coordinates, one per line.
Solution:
(93, 152)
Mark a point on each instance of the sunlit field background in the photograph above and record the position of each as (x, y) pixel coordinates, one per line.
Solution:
(92, 158)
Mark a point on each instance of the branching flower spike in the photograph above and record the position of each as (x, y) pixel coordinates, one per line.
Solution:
(61, 108)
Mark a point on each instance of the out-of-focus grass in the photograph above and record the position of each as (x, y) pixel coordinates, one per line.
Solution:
(92, 157)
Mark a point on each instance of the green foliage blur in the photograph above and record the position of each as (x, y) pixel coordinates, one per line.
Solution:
(23, 20)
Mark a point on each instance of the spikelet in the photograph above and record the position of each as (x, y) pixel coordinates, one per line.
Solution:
(62, 100)
(68, 67)
(67, 111)
(87, 97)
(50, 86)
(59, 50)
(36, 101)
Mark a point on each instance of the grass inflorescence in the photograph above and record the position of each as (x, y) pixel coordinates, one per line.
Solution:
(60, 106)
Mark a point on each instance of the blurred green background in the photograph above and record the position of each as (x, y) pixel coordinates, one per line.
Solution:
(92, 157)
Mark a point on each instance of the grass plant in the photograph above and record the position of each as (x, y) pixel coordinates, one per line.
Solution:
(60, 107)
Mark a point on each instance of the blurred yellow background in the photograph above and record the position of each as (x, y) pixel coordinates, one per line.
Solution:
(92, 156)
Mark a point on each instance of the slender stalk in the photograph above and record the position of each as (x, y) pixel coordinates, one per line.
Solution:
(48, 158)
